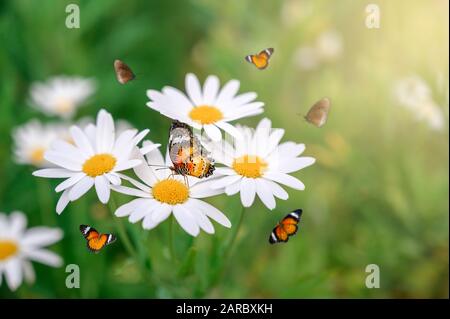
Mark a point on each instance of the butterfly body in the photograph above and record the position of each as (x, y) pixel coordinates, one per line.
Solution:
(95, 240)
(123, 72)
(187, 154)
(260, 60)
(318, 113)
(286, 228)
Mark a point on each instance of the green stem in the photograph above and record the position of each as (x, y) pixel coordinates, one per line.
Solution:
(121, 230)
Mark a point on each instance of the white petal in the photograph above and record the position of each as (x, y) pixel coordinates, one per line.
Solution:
(248, 191)
(210, 89)
(127, 208)
(113, 178)
(225, 181)
(290, 149)
(225, 171)
(44, 256)
(123, 140)
(81, 141)
(178, 99)
(228, 91)
(127, 165)
(41, 236)
(233, 188)
(277, 190)
(212, 212)
(296, 164)
(63, 161)
(142, 187)
(204, 189)
(213, 132)
(149, 148)
(186, 221)
(244, 98)
(105, 134)
(193, 89)
(69, 182)
(63, 201)
(265, 194)
(230, 129)
(142, 210)
(13, 273)
(28, 272)
(17, 224)
(131, 191)
(81, 188)
(53, 173)
(285, 179)
(274, 139)
(102, 188)
(162, 213)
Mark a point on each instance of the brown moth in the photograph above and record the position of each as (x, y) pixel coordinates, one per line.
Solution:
(123, 72)
(318, 113)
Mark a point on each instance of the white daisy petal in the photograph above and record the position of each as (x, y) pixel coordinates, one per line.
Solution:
(127, 208)
(142, 210)
(228, 91)
(230, 129)
(131, 191)
(248, 191)
(53, 173)
(13, 273)
(105, 134)
(225, 171)
(210, 89)
(265, 194)
(295, 164)
(127, 165)
(81, 141)
(17, 223)
(41, 236)
(200, 217)
(233, 188)
(186, 221)
(28, 271)
(81, 188)
(277, 190)
(224, 181)
(212, 212)
(63, 201)
(69, 182)
(63, 161)
(44, 256)
(113, 178)
(213, 132)
(193, 89)
(102, 188)
(203, 189)
(285, 179)
(162, 213)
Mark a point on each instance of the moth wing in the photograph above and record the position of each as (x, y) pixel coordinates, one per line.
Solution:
(124, 73)
(318, 113)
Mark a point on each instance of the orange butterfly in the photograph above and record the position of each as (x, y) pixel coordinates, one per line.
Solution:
(187, 154)
(95, 240)
(260, 60)
(286, 228)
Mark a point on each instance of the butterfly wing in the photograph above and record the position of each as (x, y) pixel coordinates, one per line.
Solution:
(286, 228)
(318, 113)
(88, 232)
(97, 244)
(260, 60)
(123, 72)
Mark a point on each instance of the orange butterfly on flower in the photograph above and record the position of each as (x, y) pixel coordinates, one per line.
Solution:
(260, 60)
(187, 154)
(95, 240)
(286, 228)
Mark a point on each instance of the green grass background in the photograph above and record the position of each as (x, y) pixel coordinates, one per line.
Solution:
(377, 194)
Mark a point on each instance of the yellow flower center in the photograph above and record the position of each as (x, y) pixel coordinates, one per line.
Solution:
(205, 114)
(64, 105)
(170, 191)
(37, 155)
(99, 164)
(7, 249)
(249, 166)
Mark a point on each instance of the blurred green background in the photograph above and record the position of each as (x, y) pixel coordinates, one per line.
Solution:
(378, 193)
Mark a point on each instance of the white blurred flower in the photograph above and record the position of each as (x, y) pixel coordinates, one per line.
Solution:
(414, 93)
(94, 159)
(210, 107)
(32, 139)
(61, 95)
(160, 193)
(328, 47)
(19, 246)
(257, 164)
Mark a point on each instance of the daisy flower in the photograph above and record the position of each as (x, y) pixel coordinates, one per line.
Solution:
(210, 107)
(19, 246)
(257, 164)
(160, 194)
(61, 95)
(32, 139)
(94, 159)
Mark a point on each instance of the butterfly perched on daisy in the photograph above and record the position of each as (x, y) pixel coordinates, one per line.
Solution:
(187, 154)
(95, 240)
(286, 228)
(123, 72)
(260, 60)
